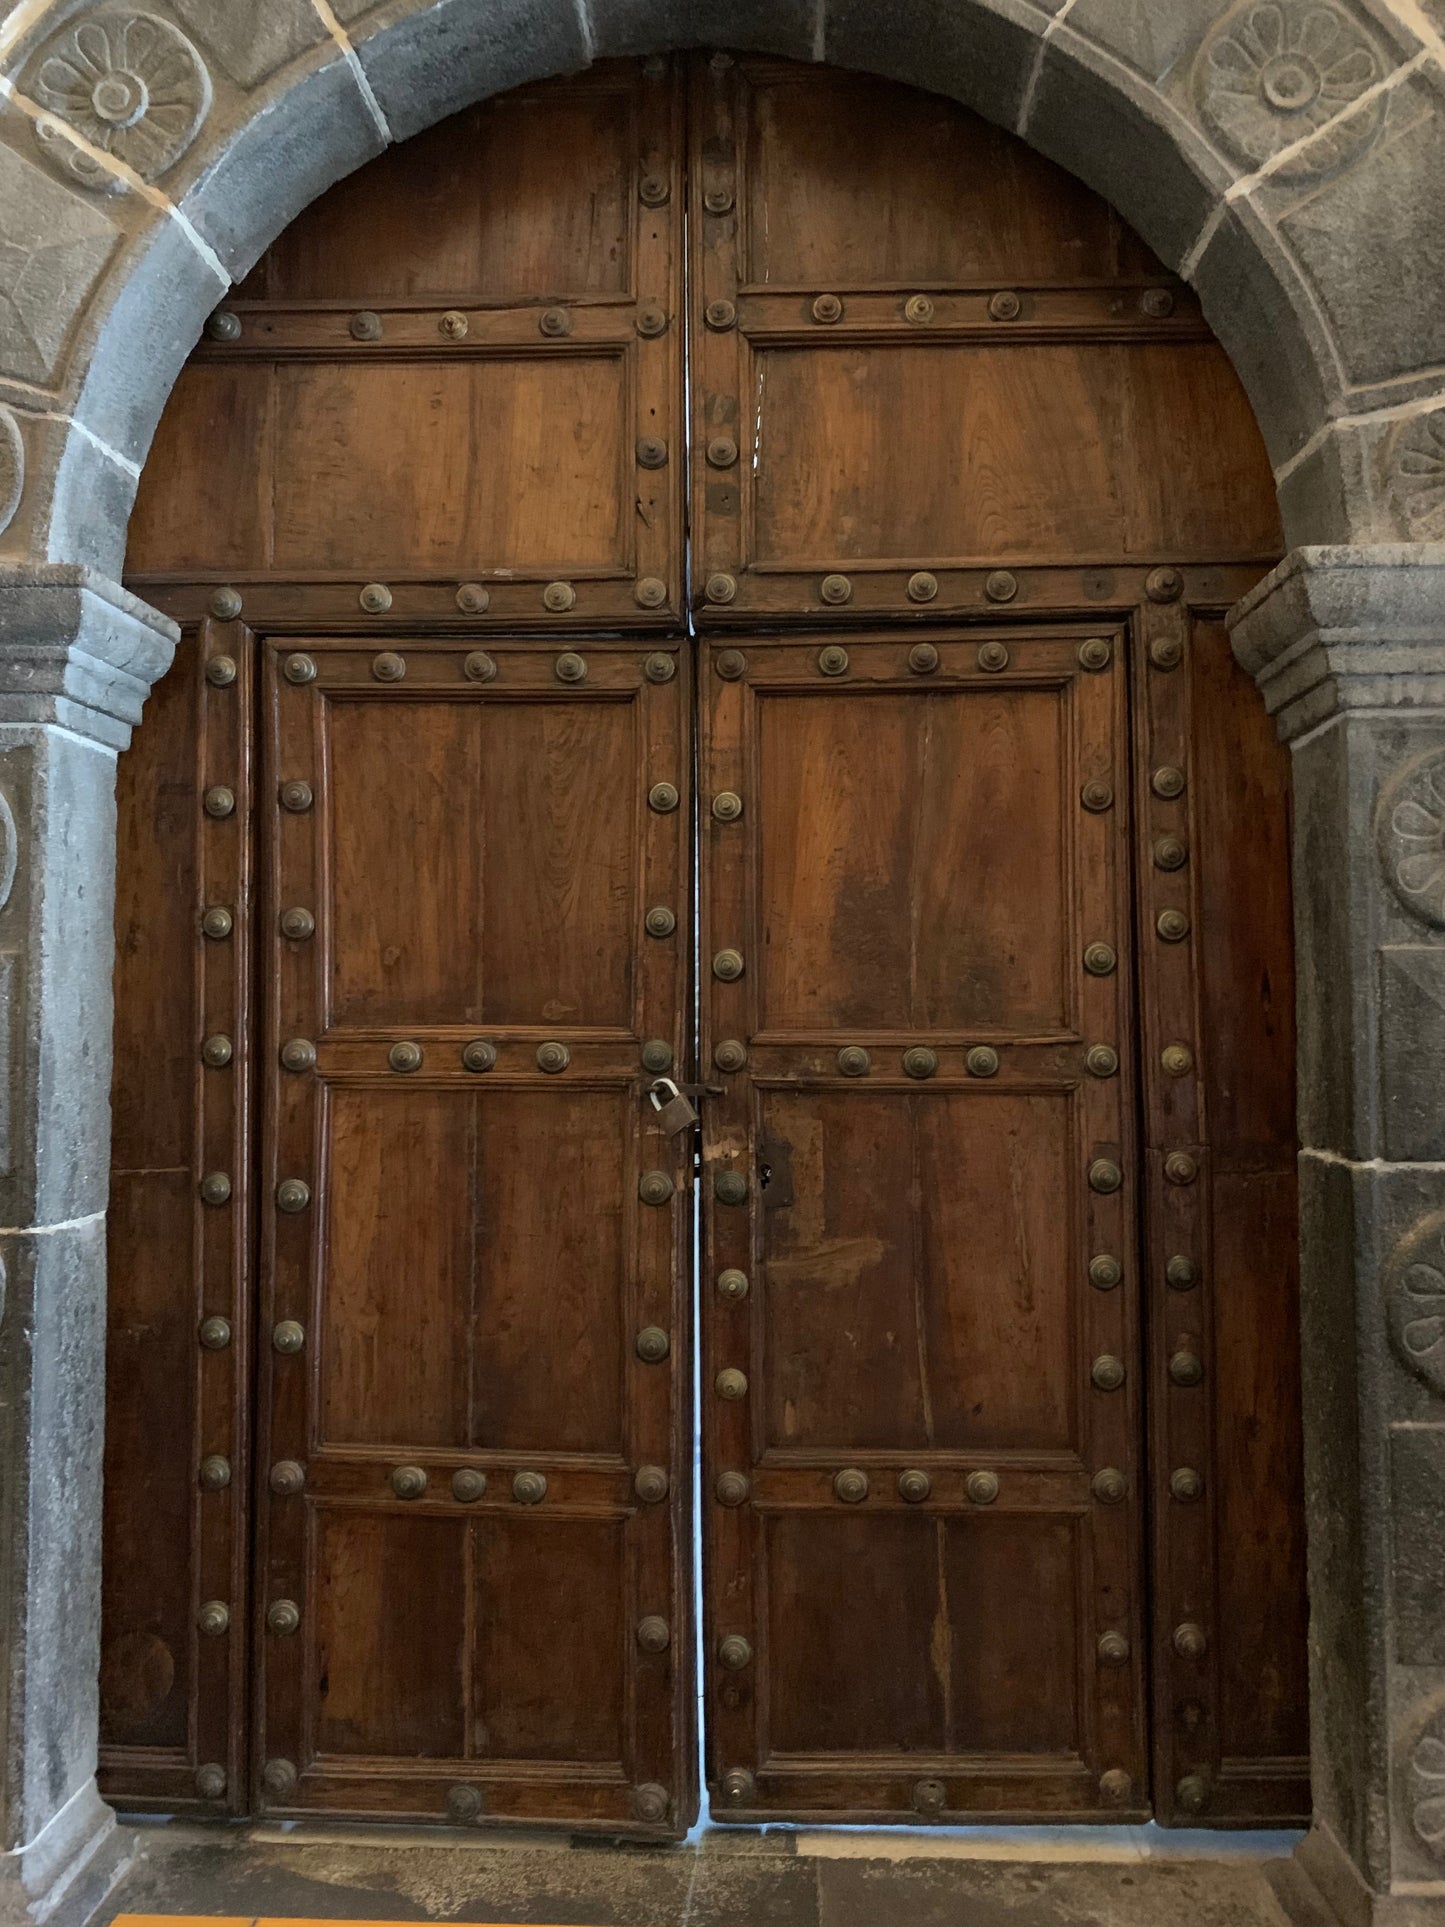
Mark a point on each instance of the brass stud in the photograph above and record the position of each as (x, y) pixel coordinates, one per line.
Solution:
(1107, 1372)
(219, 802)
(479, 666)
(1096, 652)
(914, 1486)
(288, 1337)
(1002, 585)
(732, 1284)
(833, 661)
(720, 315)
(918, 309)
(553, 1057)
(730, 1187)
(1180, 1168)
(1004, 306)
(408, 1481)
(731, 1385)
(1105, 1272)
(655, 1187)
(216, 1188)
(993, 656)
(468, 1485)
(479, 1055)
(827, 308)
(221, 671)
(1177, 1060)
(557, 599)
(982, 1061)
(464, 1804)
(1189, 1641)
(298, 924)
(727, 806)
(214, 1618)
(649, 592)
(652, 1344)
(722, 452)
(920, 1062)
(1186, 1485)
(1166, 652)
(654, 1635)
(835, 589)
(217, 1051)
(299, 668)
(1180, 1274)
(922, 586)
(650, 1803)
(854, 1061)
(731, 665)
(730, 1055)
(297, 797)
(732, 1488)
(739, 1787)
(473, 599)
(365, 325)
(651, 451)
(656, 1055)
(375, 598)
(651, 1484)
(1100, 960)
(1192, 1793)
(279, 1777)
(1102, 1060)
(293, 1195)
(850, 1485)
(215, 1473)
(929, 1797)
(663, 798)
(1097, 795)
(454, 325)
(1164, 585)
(982, 1487)
(1157, 303)
(660, 921)
(1171, 853)
(405, 1056)
(735, 1652)
(1105, 1176)
(529, 1488)
(388, 666)
(215, 1333)
(1115, 1786)
(211, 1779)
(1113, 1649)
(651, 320)
(659, 667)
(288, 1477)
(718, 200)
(217, 923)
(554, 323)
(1109, 1485)
(654, 190)
(1167, 781)
(1172, 925)
(283, 1616)
(1186, 1368)
(923, 659)
(727, 966)
(223, 326)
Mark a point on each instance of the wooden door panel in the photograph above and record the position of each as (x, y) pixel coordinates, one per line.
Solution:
(918, 1290)
(478, 1466)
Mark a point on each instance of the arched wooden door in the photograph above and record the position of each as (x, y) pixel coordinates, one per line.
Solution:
(808, 431)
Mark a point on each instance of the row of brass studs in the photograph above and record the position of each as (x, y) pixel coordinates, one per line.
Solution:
(554, 323)
(649, 1482)
(479, 666)
(1004, 305)
(852, 1486)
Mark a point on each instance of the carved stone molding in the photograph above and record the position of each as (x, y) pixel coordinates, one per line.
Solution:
(79, 650)
(12, 468)
(1414, 1295)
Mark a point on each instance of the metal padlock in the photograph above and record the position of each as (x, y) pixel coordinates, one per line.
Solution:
(674, 1112)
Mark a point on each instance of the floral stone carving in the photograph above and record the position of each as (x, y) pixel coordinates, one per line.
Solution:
(12, 468)
(131, 85)
(1425, 1794)
(1410, 828)
(1417, 479)
(1415, 1304)
(1274, 72)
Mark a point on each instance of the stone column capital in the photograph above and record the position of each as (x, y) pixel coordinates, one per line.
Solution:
(1340, 628)
(78, 650)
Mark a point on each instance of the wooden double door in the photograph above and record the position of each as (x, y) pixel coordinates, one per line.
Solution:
(842, 746)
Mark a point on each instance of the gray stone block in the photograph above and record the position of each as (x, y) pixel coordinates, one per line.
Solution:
(1155, 40)
(250, 43)
(786, 27)
(1417, 1569)
(424, 65)
(1411, 1018)
(1338, 491)
(55, 244)
(982, 55)
(74, 497)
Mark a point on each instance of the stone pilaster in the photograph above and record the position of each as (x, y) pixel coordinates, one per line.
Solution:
(1348, 646)
(77, 656)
